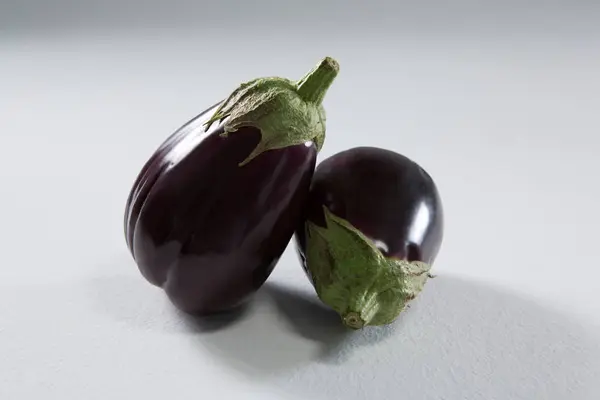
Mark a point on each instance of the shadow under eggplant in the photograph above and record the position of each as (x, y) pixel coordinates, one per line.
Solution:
(461, 339)
(308, 317)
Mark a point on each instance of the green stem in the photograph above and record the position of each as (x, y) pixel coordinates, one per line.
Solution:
(363, 314)
(313, 86)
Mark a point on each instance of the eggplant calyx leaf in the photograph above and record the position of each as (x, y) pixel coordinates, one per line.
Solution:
(353, 277)
(284, 114)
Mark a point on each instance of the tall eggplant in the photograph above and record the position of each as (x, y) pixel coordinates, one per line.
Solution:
(373, 228)
(215, 206)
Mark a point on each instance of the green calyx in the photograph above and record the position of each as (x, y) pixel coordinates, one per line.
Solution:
(353, 277)
(287, 113)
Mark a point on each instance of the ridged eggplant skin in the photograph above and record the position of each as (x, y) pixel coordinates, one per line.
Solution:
(385, 195)
(207, 230)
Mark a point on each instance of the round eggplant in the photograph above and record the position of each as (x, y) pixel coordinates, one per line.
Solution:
(215, 206)
(372, 228)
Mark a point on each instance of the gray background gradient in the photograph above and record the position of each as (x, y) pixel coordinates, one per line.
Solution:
(503, 20)
(498, 101)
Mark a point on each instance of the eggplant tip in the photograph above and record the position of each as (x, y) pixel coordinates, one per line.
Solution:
(353, 320)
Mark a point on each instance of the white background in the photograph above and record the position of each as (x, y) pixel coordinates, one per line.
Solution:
(500, 105)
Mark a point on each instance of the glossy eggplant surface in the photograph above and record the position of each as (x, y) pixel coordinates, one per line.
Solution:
(373, 226)
(206, 228)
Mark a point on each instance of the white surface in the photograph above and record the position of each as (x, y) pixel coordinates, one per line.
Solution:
(506, 121)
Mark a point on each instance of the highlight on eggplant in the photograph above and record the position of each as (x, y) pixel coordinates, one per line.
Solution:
(372, 228)
(215, 206)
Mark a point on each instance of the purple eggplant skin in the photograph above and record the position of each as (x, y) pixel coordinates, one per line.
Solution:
(206, 229)
(386, 196)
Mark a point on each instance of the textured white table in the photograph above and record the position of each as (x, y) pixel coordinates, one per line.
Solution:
(499, 105)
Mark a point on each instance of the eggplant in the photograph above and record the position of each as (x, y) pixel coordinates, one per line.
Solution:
(217, 203)
(373, 226)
